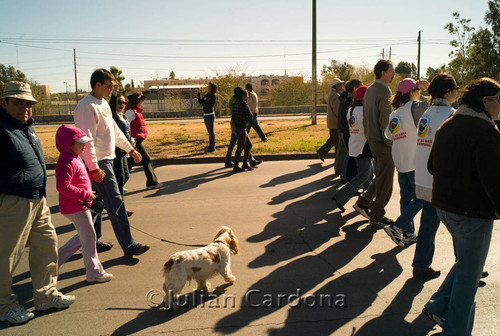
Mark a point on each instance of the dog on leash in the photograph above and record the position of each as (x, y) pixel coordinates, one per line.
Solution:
(199, 264)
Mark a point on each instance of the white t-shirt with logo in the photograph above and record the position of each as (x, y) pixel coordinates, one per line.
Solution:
(357, 139)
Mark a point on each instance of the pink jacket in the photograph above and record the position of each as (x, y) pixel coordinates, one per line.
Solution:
(72, 178)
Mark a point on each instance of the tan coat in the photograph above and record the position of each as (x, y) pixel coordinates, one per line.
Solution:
(332, 109)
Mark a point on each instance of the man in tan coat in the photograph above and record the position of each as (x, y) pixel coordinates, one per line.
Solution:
(332, 111)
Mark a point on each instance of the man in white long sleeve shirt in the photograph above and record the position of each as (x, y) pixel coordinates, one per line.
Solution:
(93, 116)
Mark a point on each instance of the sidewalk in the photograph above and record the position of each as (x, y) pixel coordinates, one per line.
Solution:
(351, 277)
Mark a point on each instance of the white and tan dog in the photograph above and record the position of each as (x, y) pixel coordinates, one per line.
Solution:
(200, 264)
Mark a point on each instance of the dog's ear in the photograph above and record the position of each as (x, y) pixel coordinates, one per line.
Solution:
(234, 244)
(222, 229)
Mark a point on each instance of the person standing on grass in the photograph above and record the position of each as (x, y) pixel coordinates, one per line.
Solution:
(139, 132)
(376, 111)
(24, 215)
(253, 105)
(208, 103)
(332, 111)
(93, 116)
(465, 164)
(240, 117)
(402, 130)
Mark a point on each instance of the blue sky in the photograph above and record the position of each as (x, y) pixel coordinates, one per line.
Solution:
(195, 38)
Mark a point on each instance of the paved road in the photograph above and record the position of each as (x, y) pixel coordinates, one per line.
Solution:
(352, 278)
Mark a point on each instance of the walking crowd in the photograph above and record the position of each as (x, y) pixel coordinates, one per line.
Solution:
(447, 163)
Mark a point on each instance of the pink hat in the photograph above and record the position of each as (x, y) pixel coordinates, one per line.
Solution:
(360, 92)
(406, 85)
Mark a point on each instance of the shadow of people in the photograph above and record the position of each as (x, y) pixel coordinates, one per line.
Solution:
(156, 316)
(350, 296)
(312, 169)
(393, 317)
(298, 277)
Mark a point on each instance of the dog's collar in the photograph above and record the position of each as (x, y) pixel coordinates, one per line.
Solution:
(219, 242)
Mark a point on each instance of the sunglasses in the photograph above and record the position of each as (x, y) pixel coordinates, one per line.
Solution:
(497, 98)
(120, 101)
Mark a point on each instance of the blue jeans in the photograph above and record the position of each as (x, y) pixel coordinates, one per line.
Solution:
(209, 124)
(429, 223)
(120, 167)
(255, 124)
(230, 147)
(113, 202)
(454, 301)
(409, 203)
(365, 173)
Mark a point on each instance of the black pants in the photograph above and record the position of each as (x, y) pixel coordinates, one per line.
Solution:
(146, 162)
(243, 143)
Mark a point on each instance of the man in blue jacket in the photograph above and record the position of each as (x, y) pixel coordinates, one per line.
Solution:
(24, 215)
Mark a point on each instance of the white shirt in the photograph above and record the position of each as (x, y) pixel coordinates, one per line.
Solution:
(253, 102)
(130, 114)
(357, 139)
(93, 116)
(403, 133)
(427, 127)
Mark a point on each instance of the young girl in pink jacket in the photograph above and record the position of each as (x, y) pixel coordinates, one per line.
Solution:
(75, 189)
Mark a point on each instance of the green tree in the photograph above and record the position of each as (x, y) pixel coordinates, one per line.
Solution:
(120, 78)
(460, 65)
(341, 70)
(172, 75)
(431, 72)
(406, 69)
(9, 73)
(291, 93)
(226, 82)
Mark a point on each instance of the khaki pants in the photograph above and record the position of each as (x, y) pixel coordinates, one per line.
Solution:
(24, 223)
(381, 186)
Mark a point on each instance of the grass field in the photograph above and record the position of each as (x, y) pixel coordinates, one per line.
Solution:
(190, 139)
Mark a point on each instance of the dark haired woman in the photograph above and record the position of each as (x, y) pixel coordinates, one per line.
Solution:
(465, 163)
(240, 117)
(402, 130)
(139, 132)
(443, 90)
(208, 102)
(120, 165)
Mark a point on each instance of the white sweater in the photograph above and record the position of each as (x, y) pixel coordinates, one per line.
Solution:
(93, 116)
(403, 133)
(357, 138)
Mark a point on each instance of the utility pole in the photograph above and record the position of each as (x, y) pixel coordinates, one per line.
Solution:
(383, 53)
(313, 113)
(76, 81)
(390, 52)
(418, 56)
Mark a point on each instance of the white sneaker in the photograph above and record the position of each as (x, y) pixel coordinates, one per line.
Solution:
(101, 278)
(60, 301)
(125, 190)
(156, 186)
(395, 234)
(409, 239)
(17, 315)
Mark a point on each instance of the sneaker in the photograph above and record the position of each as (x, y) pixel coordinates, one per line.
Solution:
(363, 210)
(434, 318)
(382, 223)
(17, 315)
(130, 213)
(321, 156)
(255, 163)
(339, 205)
(264, 140)
(409, 239)
(138, 249)
(228, 165)
(125, 190)
(484, 274)
(105, 277)
(395, 234)
(60, 301)
(426, 273)
(102, 246)
(155, 186)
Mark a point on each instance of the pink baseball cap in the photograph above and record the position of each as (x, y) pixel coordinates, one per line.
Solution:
(406, 85)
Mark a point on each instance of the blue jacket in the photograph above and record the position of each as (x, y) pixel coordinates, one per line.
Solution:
(22, 168)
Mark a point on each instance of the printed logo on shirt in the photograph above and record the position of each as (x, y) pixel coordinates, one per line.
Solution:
(33, 134)
(352, 122)
(423, 127)
(394, 125)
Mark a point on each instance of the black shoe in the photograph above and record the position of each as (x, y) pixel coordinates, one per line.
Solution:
(255, 163)
(434, 318)
(228, 165)
(363, 210)
(428, 273)
(210, 150)
(484, 274)
(246, 167)
(381, 223)
(339, 205)
(102, 246)
(138, 249)
(237, 169)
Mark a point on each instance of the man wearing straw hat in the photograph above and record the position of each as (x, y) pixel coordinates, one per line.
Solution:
(24, 215)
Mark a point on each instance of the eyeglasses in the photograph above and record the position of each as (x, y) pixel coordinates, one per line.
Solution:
(120, 102)
(497, 98)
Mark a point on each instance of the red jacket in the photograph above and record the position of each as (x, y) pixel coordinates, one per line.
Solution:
(138, 128)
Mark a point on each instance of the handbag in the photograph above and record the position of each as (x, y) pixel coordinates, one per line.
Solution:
(97, 205)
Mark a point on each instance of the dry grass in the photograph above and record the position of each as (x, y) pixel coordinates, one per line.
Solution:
(169, 140)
